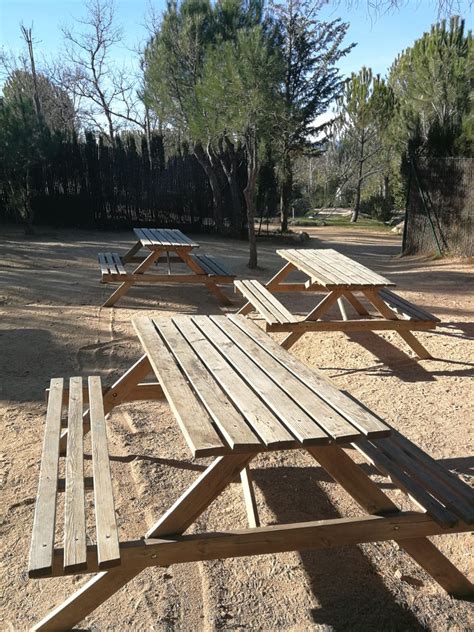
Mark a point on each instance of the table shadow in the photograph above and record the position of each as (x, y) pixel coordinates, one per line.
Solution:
(349, 589)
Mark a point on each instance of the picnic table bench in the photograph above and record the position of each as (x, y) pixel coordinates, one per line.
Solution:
(235, 393)
(169, 246)
(340, 278)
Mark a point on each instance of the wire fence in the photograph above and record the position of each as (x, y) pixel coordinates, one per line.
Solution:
(440, 207)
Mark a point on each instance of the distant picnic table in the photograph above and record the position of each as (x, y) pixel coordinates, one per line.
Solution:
(168, 246)
(235, 394)
(338, 277)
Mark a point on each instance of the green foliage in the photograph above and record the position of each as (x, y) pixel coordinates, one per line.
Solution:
(57, 108)
(24, 146)
(432, 81)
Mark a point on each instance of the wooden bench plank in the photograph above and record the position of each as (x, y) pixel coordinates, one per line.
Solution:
(211, 265)
(275, 394)
(74, 505)
(399, 304)
(431, 483)
(191, 415)
(108, 552)
(263, 422)
(265, 302)
(229, 421)
(411, 487)
(266, 310)
(315, 412)
(361, 418)
(42, 541)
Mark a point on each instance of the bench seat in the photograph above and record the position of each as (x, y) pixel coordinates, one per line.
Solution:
(111, 267)
(76, 551)
(407, 310)
(265, 302)
(444, 496)
(213, 267)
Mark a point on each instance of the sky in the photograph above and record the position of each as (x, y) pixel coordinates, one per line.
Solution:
(379, 38)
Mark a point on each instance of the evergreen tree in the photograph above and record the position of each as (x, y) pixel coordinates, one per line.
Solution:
(363, 110)
(311, 49)
(431, 83)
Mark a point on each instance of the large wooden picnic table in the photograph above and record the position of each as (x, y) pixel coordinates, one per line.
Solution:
(168, 246)
(339, 278)
(235, 393)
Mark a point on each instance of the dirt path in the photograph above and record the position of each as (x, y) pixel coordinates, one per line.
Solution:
(51, 325)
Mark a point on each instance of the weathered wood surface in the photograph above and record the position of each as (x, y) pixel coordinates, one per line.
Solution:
(331, 269)
(232, 388)
(73, 486)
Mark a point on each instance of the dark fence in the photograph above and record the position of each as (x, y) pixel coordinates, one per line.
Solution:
(440, 208)
(88, 183)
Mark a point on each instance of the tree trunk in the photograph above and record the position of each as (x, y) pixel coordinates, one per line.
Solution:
(285, 193)
(229, 161)
(249, 193)
(218, 199)
(360, 178)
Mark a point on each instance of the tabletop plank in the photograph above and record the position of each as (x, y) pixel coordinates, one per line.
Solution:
(193, 419)
(271, 391)
(229, 421)
(261, 419)
(321, 415)
(359, 416)
(333, 269)
(163, 238)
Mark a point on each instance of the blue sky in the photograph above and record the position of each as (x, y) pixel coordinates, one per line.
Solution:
(380, 38)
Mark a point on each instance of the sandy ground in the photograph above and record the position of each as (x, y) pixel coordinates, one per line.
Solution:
(52, 325)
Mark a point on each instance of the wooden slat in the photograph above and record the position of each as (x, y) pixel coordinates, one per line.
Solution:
(417, 493)
(261, 419)
(154, 239)
(425, 478)
(324, 388)
(405, 306)
(145, 241)
(461, 489)
(74, 506)
(356, 267)
(229, 421)
(301, 263)
(194, 421)
(42, 540)
(258, 295)
(354, 272)
(103, 263)
(108, 553)
(268, 312)
(111, 263)
(317, 414)
(276, 391)
(322, 261)
(118, 263)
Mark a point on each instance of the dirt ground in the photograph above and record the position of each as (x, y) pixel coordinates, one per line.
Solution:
(51, 325)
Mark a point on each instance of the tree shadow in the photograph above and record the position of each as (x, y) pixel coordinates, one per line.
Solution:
(348, 588)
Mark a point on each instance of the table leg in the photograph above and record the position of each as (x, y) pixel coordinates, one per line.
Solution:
(132, 252)
(175, 521)
(407, 336)
(322, 307)
(367, 494)
(126, 285)
(249, 497)
(356, 304)
(272, 285)
(207, 280)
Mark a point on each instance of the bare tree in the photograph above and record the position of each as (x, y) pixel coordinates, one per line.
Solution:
(107, 94)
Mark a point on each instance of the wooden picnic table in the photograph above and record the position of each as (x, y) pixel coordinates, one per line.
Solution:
(235, 393)
(168, 246)
(339, 278)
